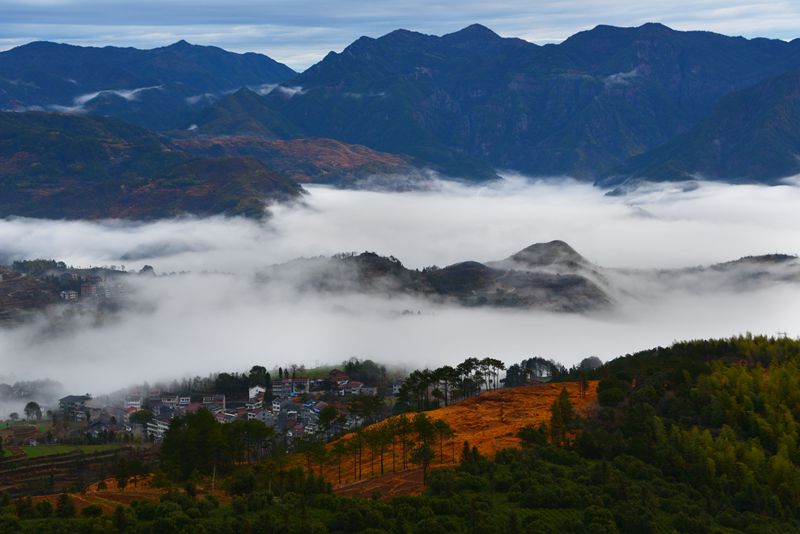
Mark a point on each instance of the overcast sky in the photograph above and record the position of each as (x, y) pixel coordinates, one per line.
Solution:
(300, 32)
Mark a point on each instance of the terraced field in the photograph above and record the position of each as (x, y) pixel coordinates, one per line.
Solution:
(111, 497)
(59, 468)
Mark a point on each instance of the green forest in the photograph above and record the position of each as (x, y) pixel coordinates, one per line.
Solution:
(700, 437)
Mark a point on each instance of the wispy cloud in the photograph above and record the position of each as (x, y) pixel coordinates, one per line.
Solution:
(79, 102)
(290, 91)
(204, 99)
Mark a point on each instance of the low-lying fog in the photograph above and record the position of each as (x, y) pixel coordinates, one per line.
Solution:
(218, 319)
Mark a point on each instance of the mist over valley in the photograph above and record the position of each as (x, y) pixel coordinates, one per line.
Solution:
(522, 267)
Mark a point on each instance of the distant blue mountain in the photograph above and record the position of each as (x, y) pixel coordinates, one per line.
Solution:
(753, 135)
(155, 88)
(607, 104)
(470, 102)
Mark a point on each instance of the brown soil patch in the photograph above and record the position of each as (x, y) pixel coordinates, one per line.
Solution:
(489, 422)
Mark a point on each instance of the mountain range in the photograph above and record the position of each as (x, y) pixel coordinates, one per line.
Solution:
(609, 105)
(550, 276)
(155, 88)
(472, 102)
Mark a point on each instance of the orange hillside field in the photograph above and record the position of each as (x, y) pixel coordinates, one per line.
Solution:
(489, 421)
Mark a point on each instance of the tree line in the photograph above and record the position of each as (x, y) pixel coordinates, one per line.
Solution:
(426, 389)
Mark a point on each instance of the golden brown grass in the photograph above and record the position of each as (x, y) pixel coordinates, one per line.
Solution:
(489, 422)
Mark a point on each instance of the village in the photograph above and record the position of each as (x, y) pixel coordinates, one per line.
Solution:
(318, 404)
(75, 441)
(30, 287)
(69, 442)
(292, 406)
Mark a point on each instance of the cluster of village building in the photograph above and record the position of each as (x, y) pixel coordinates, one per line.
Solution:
(92, 287)
(291, 406)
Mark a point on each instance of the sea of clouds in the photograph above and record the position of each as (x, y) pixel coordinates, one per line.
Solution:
(218, 318)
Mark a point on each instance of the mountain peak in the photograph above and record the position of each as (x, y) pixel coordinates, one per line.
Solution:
(655, 26)
(647, 26)
(543, 254)
(473, 32)
(402, 33)
(39, 46)
(612, 34)
(181, 44)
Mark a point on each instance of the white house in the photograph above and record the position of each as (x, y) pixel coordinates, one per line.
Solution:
(133, 402)
(210, 401)
(253, 392)
(157, 428)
